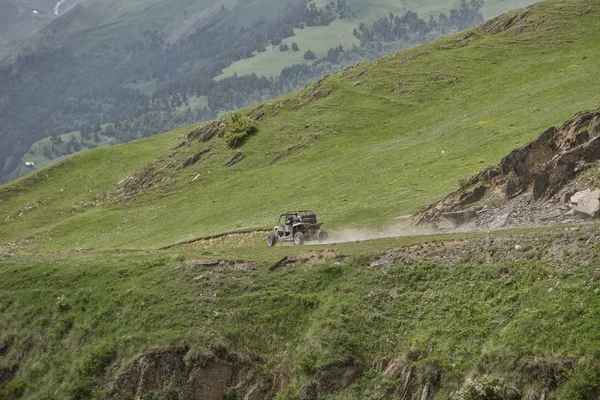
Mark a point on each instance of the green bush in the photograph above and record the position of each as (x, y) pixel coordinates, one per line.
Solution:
(237, 129)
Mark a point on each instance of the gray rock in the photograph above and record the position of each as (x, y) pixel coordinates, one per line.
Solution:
(499, 222)
(587, 203)
(553, 214)
(459, 217)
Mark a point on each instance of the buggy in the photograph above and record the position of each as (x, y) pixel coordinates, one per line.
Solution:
(297, 227)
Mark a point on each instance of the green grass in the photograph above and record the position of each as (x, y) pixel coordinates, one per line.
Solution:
(468, 317)
(372, 147)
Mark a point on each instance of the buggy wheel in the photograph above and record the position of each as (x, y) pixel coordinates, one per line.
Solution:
(323, 236)
(272, 240)
(298, 238)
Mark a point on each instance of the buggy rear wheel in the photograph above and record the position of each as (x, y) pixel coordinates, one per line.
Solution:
(323, 236)
(298, 238)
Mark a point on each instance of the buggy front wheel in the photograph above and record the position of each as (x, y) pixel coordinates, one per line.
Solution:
(272, 240)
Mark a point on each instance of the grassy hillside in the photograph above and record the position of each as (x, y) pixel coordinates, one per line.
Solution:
(124, 63)
(521, 323)
(374, 142)
(87, 306)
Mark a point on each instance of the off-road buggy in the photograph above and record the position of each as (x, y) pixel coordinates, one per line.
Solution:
(297, 227)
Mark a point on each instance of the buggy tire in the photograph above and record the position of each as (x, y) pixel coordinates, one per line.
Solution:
(298, 238)
(272, 240)
(323, 236)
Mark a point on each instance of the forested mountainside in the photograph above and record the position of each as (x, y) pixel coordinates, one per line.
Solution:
(123, 70)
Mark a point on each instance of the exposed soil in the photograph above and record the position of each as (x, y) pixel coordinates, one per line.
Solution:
(572, 244)
(177, 372)
(217, 268)
(310, 260)
(182, 373)
(239, 239)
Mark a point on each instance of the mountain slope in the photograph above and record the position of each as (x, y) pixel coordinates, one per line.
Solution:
(137, 70)
(20, 19)
(362, 146)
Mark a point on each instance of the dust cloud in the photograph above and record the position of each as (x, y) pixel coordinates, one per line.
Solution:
(360, 234)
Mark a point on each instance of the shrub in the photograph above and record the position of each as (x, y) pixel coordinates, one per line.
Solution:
(237, 129)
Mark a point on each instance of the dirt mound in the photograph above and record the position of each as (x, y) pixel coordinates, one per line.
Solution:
(534, 185)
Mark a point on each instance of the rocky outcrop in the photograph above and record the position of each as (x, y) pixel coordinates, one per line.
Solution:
(195, 158)
(505, 22)
(204, 132)
(237, 157)
(541, 172)
(181, 373)
(175, 372)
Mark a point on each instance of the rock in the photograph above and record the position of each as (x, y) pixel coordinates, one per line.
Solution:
(459, 217)
(205, 132)
(554, 214)
(588, 203)
(283, 262)
(499, 222)
(513, 187)
(565, 198)
(473, 196)
(237, 157)
(161, 371)
(195, 158)
(578, 196)
(540, 186)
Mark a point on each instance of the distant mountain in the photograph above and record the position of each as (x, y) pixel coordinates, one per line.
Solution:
(131, 69)
(21, 18)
